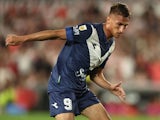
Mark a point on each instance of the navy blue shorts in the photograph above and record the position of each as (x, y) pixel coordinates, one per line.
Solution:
(70, 102)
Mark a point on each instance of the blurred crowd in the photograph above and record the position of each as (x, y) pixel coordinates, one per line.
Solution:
(25, 69)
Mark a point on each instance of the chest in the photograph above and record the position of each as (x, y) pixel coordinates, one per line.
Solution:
(98, 51)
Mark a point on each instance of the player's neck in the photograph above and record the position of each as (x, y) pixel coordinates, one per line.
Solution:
(107, 32)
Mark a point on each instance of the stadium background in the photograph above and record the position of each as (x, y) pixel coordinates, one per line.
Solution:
(24, 69)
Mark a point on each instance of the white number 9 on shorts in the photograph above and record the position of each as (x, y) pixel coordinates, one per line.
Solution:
(67, 103)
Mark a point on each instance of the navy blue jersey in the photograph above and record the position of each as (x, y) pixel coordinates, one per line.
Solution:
(86, 48)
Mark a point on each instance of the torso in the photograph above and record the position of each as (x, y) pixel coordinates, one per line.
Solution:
(79, 56)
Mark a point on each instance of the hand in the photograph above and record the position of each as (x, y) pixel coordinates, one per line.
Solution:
(12, 40)
(117, 90)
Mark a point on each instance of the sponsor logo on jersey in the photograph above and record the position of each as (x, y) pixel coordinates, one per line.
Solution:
(81, 74)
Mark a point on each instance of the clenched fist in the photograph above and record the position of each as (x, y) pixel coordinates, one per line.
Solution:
(12, 40)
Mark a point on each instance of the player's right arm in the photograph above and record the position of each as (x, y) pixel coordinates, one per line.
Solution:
(13, 39)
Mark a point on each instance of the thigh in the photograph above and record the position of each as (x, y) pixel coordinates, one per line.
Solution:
(86, 99)
(65, 116)
(96, 112)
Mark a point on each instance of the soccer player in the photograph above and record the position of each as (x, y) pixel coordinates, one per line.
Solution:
(87, 48)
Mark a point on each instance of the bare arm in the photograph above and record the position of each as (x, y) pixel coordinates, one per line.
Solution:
(98, 78)
(12, 39)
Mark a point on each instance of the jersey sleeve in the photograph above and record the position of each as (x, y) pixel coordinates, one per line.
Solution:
(79, 33)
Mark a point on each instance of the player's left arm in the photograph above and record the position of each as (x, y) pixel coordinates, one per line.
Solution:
(97, 77)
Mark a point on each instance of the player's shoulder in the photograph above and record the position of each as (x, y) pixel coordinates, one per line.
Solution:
(83, 31)
(85, 27)
(89, 26)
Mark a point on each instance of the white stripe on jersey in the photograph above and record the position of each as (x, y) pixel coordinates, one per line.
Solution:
(95, 50)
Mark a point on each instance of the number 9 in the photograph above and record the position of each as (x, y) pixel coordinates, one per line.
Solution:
(67, 103)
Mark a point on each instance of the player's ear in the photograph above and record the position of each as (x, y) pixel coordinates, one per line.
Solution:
(108, 19)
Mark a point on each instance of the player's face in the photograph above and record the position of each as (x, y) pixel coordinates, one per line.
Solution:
(117, 24)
